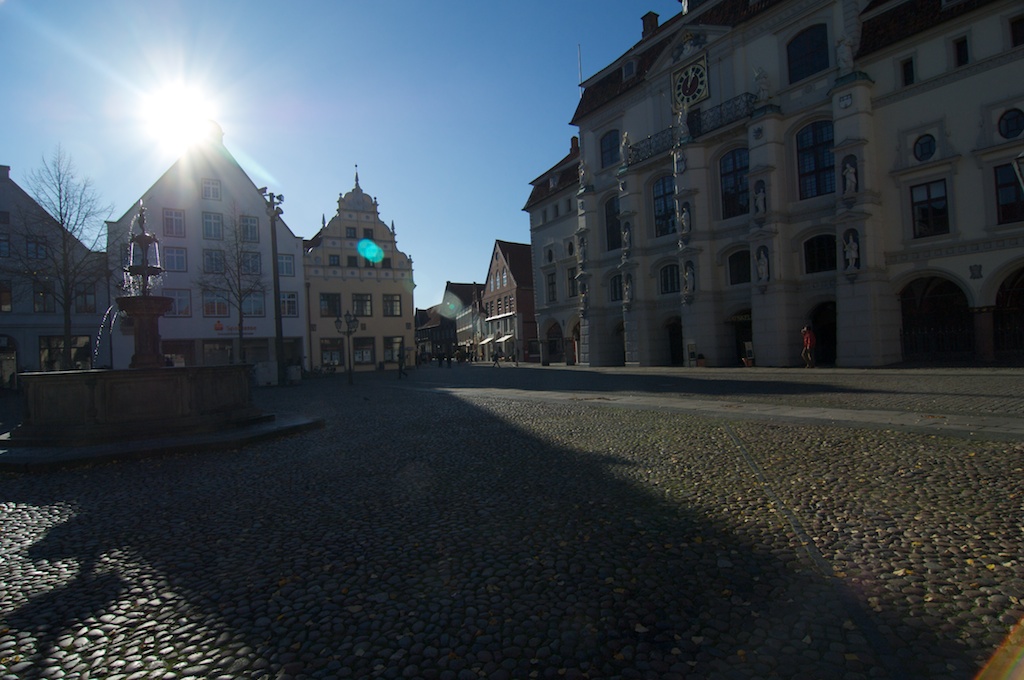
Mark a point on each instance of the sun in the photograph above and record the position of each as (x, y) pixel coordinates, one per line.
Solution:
(177, 115)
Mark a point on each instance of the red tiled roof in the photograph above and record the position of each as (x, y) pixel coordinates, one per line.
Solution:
(612, 85)
(907, 19)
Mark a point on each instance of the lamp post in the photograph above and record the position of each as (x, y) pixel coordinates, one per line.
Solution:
(348, 327)
(274, 211)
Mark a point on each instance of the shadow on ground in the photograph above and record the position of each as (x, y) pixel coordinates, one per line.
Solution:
(416, 534)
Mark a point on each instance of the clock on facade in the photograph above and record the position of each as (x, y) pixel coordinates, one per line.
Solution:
(690, 83)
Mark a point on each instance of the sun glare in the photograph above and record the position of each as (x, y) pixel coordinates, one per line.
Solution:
(177, 116)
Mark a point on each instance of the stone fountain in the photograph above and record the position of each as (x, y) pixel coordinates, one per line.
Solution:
(149, 404)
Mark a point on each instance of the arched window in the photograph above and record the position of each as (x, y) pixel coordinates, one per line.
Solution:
(615, 288)
(609, 148)
(739, 267)
(733, 175)
(664, 208)
(612, 227)
(668, 279)
(820, 254)
(816, 164)
(807, 53)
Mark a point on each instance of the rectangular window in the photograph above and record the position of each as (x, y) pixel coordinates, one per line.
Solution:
(334, 260)
(42, 297)
(350, 232)
(352, 261)
(5, 217)
(175, 259)
(5, 245)
(572, 285)
(174, 223)
(251, 263)
(250, 228)
(289, 303)
(35, 247)
(211, 189)
(1017, 31)
(51, 347)
(368, 233)
(362, 350)
(213, 261)
(961, 54)
(385, 263)
(330, 305)
(668, 279)
(286, 265)
(252, 304)
(6, 297)
(392, 305)
(214, 304)
(820, 254)
(907, 71)
(615, 288)
(85, 298)
(739, 268)
(499, 307)
(550, 286)
(930, 209)
(213, 226)
(1009, 196)
(393, 347)
(181, 302)
(362, 304)
(368, 264)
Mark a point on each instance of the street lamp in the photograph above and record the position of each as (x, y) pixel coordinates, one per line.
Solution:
(348, 327)
(274, 211)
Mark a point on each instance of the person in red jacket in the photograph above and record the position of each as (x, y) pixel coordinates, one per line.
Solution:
(809, 342)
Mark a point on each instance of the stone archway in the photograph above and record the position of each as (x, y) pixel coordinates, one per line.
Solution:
(1009, 317)
(823, 323)
(937, 322)
(555, 344)
(676, 353)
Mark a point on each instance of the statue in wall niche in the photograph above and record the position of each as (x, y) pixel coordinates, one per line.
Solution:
(626, 236)
(624, 148)
(581, 251)
(760, 199)
(849, 178)
(688, 278)
(678, 165)
(761, 84)
(584, 175)
(762, 265)
(851, 249)
(627, 289)
(844, 55)
(684, 219)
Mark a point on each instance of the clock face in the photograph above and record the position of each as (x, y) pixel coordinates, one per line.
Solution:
(691, 84)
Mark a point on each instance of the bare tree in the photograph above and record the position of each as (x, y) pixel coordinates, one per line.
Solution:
(235, 273)
(56, 253)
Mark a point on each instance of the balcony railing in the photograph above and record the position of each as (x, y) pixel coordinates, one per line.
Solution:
(699, 122)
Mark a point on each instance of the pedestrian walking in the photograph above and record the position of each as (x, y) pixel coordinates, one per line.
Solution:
(497, 358)
(401, 363)
(809, 342)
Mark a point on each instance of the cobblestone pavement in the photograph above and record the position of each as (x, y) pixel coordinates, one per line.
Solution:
(437, 529)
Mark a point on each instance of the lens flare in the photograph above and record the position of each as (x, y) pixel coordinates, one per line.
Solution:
(370, 250)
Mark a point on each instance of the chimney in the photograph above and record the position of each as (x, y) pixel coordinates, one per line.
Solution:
(575, 146)
(650, 23)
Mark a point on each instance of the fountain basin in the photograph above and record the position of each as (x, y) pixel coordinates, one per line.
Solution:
(74, 408)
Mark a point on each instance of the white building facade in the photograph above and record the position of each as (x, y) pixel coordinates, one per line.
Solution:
(202, 210)
(749, 170)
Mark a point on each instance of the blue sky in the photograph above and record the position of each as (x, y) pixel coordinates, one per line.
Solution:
(449, 107)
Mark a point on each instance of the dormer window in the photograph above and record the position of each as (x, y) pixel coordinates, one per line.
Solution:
(628, 69)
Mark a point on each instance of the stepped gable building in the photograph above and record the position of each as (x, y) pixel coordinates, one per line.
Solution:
(747, 169)
(463, 302)
(37, 288)
(510, 323)
(214, 233)
(353, 265)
